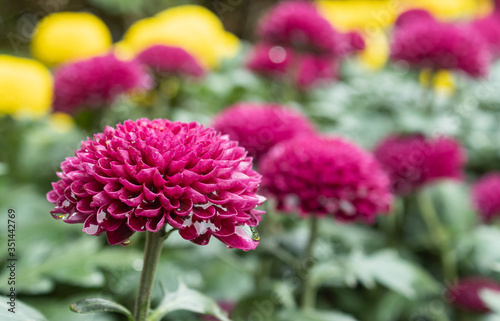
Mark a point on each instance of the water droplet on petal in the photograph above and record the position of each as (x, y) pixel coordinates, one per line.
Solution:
(59, 216)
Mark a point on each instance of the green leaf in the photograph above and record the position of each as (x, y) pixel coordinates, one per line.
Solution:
(96, 305)
(190, 300)
(22, 312)
(293, 315)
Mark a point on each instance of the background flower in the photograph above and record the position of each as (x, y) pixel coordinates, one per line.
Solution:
(464, 294)
(25, 87)
(192, 28)
(96, 82)
(167, 60)
(326, 176)
(258, 126)
(64, 36)
(146, 174)
(486, 196)
(414, 160)
(441, 46)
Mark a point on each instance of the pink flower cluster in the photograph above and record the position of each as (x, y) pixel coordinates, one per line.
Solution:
(167, 60)
(143, 175)
(326, 176)
(96, 82)
(486, 196)
(297, 42)
(259, 126)
(424, 42)
(465, 293)
(414, 160)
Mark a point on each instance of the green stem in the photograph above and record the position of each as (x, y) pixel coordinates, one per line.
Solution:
(309, 296)
(152, 251)
(430, 93)
(438, 234)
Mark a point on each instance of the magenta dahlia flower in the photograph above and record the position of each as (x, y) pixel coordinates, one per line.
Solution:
(355, 42)
(259, 126)
(268, 60)
(486, 196)
(489, 29)
(300, 26)
(465, 293)
(96, 82)
(146, 174)
(441, 46)
(314, 70)
(414, 160)
(167, 60)
(326, 176)
(414, 16)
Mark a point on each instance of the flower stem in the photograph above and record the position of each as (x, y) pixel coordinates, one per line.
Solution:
(438, 234)
(309, 296)
(152, 251)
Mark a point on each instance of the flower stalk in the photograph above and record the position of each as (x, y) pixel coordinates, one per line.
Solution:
(309, 296)
(438, 235)
(152, 251)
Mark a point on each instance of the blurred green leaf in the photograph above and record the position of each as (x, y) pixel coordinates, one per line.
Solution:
(22, 312)
(294, 315)
(96, 305)
(187, 299)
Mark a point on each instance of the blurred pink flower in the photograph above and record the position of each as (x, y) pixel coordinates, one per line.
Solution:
(96, 82)
(300, 26)
(315, 70)
(465, 293)
(146, 174)
(489, 29)
(259, 126)
(167, 60)
(269, 60)
(441, 46)
(326, 176)
(414, 160)
(414, 16)
(486, 196)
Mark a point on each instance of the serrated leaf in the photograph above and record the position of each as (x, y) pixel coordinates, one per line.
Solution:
(190, 300)
(97, 305)
(22, 312)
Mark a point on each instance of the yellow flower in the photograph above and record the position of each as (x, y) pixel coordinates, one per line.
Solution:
(445, 9)
(193, 28)
(358, 14)
(64, 36)
(368, 17)
(61, 123)
(443, 81)
(25, 87)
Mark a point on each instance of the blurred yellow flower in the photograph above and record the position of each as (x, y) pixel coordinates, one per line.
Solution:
(446, 9)
(61, 122)
(370, 17)
(358, 14)
(193, 28)
(64, 36)
(443, 81)
(25, 87)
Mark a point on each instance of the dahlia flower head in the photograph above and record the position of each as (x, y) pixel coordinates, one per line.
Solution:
(96, 82)
(279, 63)
(144, 175)
(486, 196)
(465, 293)
(259, 126)
(168, 60)
(413, 161)
(414, 16)
(435, 45)
(488, 28)
(300, 26)
(326, 176)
